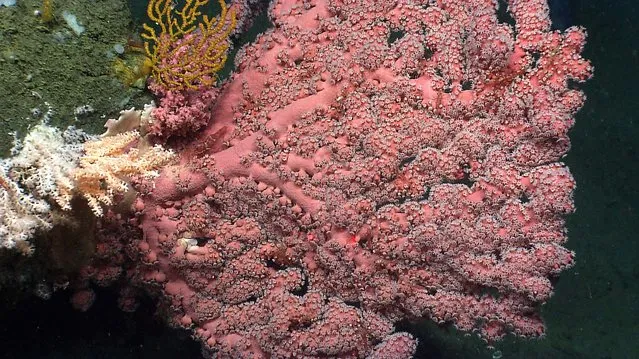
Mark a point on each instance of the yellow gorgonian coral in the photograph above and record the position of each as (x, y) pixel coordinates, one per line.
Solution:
(189, 48)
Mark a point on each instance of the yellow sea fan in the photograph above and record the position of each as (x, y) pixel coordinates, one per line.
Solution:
(183, 57)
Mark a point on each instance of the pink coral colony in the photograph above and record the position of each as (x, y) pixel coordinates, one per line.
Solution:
(368, 162)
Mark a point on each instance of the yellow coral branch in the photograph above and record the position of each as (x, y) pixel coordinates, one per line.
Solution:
(181, 56)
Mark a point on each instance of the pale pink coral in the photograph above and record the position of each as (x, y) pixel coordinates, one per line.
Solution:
(370, 162)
